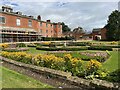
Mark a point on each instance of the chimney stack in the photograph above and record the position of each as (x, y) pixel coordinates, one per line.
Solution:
(39, 17)
(48, 20)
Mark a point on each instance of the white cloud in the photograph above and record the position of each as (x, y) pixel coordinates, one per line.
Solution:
(88, 15)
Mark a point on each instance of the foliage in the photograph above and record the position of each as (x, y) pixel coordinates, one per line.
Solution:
(62, 49)
(67, 63)
(103, 47)
(92, 67)
(113, 26)
(52, 44)
(3, 46)
(50, 61)
(21, 45)
(78, 67)
(55, 38)
(31, 45)
(77, 44)
(114, 76)
(99, 56)
(18, 56)
(86, 56)
(65, 28)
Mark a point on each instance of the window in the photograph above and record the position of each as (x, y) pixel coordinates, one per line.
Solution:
(54, 26)
(41, 31)
(40, 23)
(30, 23)
(2, 20)
(46, 31)
(18, 22)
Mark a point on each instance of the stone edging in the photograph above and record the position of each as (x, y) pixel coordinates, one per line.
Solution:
(67, 76)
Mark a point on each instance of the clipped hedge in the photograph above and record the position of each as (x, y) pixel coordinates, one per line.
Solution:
(77, 44)
(21, 45)
(61, 49)
(31, 45)
(102, 47)
(55, 38)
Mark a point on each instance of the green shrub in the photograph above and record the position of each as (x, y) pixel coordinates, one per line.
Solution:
(31, 45)
(114, 76)
(100, 48)
(55, 38)
(61, 49)
(21, 45)
(76, 44)
(52, 45)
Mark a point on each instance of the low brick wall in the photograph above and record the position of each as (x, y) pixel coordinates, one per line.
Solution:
(65, 77)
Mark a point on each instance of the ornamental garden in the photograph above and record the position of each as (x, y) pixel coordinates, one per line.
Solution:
(87, 59)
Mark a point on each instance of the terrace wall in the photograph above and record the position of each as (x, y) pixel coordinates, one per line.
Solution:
(60, 76)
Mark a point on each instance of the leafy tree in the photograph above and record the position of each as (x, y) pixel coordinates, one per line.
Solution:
(113, 26)
(65, 28)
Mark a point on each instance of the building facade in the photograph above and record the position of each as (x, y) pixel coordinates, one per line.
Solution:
(99, 33)
(16, 27)
(96, 33)
(103, 33)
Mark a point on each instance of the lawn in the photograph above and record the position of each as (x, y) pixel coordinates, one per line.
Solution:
(113, 62)
(32, 50)
(12, 79)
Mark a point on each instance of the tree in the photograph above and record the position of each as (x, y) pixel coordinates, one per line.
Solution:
(65, 28)
(113, 26)
(77, 32)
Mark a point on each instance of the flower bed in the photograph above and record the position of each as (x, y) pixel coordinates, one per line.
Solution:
(67, 63)
(100, 56)
(63, 78)
(16, 49)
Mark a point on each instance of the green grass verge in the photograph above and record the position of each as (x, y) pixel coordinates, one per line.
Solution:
(12, 79)
(112, 63)
(32, 50)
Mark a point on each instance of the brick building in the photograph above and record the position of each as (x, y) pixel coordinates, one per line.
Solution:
(99, 33)
(16, 27)
(96, 33)
(103, 33)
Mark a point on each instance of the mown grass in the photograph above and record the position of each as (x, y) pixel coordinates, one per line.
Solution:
(113, 62)
(12, 79)
(32, 50)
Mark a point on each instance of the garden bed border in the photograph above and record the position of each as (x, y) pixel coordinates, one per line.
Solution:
(95, 84)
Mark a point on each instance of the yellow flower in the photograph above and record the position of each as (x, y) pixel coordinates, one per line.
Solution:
(4, 46)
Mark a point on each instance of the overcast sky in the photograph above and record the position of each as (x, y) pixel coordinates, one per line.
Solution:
(88, 15)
